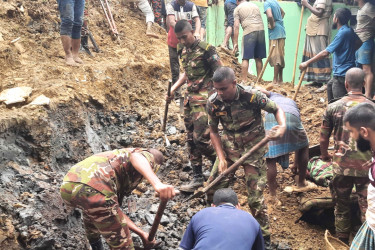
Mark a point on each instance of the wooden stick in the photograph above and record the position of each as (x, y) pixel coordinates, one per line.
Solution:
(232, 168)
(155, 224)
(298, 38)
(299, 84)
(265, 64)
(166, 107)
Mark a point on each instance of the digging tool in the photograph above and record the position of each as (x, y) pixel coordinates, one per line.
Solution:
(298, 38)
(299, 84)
(159, 214)
(109, 16)
(231, 169)
(164, 125)
(265, 64)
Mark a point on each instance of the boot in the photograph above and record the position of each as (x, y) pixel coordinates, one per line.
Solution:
(97, 245)
(197, 181)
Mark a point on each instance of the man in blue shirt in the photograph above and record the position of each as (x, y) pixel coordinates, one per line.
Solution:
(223, 226)
(343, 48)
(276, 33)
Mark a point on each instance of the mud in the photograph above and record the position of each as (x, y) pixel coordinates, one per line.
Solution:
(114, 100)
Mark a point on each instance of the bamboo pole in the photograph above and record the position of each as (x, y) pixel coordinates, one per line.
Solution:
(299, 84)
(265, 64)
(298, 38)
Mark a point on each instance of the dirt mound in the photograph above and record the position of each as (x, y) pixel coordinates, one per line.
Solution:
(114, 100)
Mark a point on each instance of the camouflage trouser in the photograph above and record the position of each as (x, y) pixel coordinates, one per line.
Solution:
(198, 134)
(341, 188)
(255, 177)
(156, 6)
(100, 216)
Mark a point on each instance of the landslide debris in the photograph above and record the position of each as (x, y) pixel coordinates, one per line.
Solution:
(114, 100)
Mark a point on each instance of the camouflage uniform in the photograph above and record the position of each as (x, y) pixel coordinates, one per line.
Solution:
(243, 128)
(199, 62)
(97, 185)
(350, 166)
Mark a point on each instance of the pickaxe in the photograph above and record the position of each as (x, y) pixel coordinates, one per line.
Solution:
(231, 169)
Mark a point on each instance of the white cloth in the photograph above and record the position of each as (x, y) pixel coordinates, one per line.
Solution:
(370, 214)
(145, 7)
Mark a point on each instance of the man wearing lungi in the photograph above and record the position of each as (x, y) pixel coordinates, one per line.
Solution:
(238, 109)
(317, 31)
(360, 121)
(293, 140)
(277, 35)
(343, 49)
(350, 166)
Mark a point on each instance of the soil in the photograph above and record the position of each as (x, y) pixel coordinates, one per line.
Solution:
(114, 100)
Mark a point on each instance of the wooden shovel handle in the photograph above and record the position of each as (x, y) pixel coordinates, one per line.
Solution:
(238, 163)
(299, 84)
(166, 107)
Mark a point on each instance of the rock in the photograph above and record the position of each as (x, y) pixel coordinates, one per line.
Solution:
(41, 100)
(26, 215)
(154, 208)
(164, 220)
(142, 187)
(149, 218)
(184, 176)
(15, 95)
(172, 130)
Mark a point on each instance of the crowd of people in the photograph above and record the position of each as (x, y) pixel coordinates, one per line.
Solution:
(214, 99)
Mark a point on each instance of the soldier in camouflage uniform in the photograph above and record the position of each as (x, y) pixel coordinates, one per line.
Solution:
(350, 166)
(238, 109)
(98, 184)
(199, 60)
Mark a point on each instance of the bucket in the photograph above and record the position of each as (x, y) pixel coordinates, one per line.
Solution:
(333, 243)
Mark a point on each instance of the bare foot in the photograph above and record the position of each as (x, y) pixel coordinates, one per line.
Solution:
(309, 187)
(150, 34)
(77, 59)
(70, 61)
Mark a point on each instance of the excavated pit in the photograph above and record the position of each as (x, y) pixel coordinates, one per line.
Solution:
(114, 100)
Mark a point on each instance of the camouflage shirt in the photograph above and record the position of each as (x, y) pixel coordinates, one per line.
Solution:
(347, 159)
(242, 118)
(199, 62)
(110, 173)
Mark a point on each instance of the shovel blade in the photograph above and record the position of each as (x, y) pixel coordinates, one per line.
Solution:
(196, 195)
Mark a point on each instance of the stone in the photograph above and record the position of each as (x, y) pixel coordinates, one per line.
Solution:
(184, 176)
(26, 215)
(164, 220)
(172, 130)
(41, 100)
(149, 218)
(154, 208)
(15, 95)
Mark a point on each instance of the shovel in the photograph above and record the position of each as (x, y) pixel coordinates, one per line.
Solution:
(166, 114)
(231, 169)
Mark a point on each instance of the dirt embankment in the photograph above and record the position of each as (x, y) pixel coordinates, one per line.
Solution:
(113, 100)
